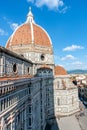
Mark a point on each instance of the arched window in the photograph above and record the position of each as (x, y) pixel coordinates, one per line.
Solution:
(30, 121)
(0, 91)
(28, 70)
(14, 68)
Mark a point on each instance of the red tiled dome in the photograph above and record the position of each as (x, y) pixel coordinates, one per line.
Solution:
(29, 33)
(23, 35)
(59, 70)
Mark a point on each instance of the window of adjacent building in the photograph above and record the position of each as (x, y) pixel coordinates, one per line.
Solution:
(29, 121)
(29, 90)
(18, 117)
(0, 91)
(41, 109)
(30, 109)
(28, 70)
(14, 67)
(41, 95)
(2, 105)
(45, 71)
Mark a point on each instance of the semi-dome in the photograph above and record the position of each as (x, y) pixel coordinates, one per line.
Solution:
(59, 70)
(29, 33)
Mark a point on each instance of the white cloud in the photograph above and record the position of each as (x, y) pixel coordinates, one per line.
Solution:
(61, 65)
(7, 20)
(73, 48)
(14, 26)
(51, 4)
(77, 63)
(30, 1)
(2, 32)
(68, 57)
(63, 10)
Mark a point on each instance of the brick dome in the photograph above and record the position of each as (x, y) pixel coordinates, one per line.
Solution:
(59, 70)
(29, 33)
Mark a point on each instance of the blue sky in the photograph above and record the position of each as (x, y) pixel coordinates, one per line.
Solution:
(64, 20)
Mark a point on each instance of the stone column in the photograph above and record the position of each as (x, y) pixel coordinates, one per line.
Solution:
(22, 68)
(25, 118)
(1, 73)
(13, 125)
(0, 105)
(3, 124)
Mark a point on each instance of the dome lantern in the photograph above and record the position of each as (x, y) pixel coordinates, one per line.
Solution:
(30, 18)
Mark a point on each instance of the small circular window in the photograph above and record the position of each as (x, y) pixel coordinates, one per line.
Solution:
(42, 57)
(14, 68)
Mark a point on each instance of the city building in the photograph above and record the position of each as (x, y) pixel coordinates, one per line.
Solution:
(81, 82)
(33, 91)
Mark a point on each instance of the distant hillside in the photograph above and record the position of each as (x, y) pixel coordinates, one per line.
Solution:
(77, 71)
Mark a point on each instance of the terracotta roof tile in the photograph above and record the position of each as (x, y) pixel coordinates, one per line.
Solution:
(15, 78)
(45, 67)
(23, 35)
(58, 70)
(40, 37)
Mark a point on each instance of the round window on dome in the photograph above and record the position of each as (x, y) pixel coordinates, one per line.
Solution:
(14, 68)
(42, 57)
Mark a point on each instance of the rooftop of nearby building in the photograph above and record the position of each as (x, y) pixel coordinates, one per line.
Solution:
(59, 70)
(15, 78)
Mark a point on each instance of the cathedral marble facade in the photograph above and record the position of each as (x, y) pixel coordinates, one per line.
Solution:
(33, 91)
